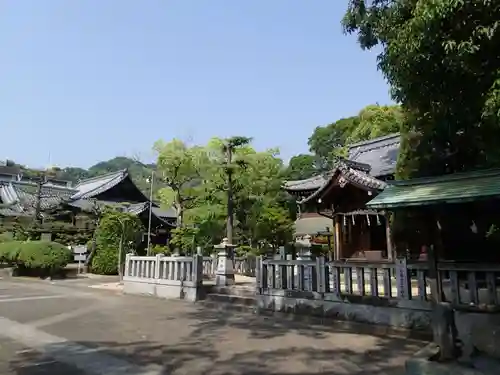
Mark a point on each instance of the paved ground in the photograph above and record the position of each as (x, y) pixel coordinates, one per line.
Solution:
(67, 328)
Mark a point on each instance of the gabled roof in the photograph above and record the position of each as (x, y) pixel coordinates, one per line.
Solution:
(452, 188)
(91, 187)
(351, 175)
(380, 153)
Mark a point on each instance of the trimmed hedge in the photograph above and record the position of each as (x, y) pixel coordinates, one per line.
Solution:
(36, 255)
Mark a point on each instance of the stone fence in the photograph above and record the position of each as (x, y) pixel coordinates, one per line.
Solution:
(164, 277)
(241, 265)
(394, 294)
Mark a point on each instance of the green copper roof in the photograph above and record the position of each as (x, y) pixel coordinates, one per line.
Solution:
(453, 188)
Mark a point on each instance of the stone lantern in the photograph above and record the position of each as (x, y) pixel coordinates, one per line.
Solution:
(224, 274)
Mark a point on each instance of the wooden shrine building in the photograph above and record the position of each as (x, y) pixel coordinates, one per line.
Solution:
(341, 195)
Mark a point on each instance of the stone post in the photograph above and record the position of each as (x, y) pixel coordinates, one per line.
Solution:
(224, 275)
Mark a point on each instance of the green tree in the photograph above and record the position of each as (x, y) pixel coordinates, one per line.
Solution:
(301, 166)
(180, 169)
(329, 142)
(440, 59)
(256, 179)
(274, 226)
(117, 234)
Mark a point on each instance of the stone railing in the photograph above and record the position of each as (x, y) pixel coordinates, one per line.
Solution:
(464, 286)
(470, 286)
(241, 266)
(370, 292)
(164, 277)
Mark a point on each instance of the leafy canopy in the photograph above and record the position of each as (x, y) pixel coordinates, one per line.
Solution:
(441, 60)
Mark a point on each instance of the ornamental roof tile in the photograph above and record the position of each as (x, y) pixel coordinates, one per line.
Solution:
(356, 177)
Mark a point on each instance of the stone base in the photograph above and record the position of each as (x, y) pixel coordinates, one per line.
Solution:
(397, 316)
(224, 279)
(185, 292)
(422, 363)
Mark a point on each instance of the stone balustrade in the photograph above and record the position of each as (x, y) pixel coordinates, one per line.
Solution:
(164, 277)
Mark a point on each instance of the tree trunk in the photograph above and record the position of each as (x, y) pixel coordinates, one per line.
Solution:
(230, 218)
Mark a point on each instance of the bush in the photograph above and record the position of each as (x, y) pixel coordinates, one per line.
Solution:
(158, 249)
(105, 261)
(44, 255)
(5, 237)
(9, 251)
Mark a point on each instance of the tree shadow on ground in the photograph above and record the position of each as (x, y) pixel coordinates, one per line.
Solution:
(265, 324)
(186, 359)
(224, 342)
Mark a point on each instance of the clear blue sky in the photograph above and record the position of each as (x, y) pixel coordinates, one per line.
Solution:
(87, 80)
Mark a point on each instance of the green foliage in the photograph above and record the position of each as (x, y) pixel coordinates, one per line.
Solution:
(198, 177)
(184, 239)
(440, 58)
(9, 251)
(329, 142)
(179, 169)
(44, 255)
(116, 229)
(5, 237)
(300, 167)
(105, 261)
(39, 255)
(158, 249)
(274, 226)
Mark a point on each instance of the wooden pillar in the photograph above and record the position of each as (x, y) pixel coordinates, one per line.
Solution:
(388, 236)
(338, 238)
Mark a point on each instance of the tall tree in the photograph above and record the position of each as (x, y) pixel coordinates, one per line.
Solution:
(441, 60)
(329, 142)
(301, 166)
(180, 169)
(229, 146)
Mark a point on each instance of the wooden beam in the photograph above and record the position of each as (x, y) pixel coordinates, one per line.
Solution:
(338, 238)
(388, 236)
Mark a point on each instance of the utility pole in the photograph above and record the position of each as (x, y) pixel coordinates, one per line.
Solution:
(38, 202)
(150, 211)
(230, 209)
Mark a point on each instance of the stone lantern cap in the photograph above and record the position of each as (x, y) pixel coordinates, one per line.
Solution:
(224, 244)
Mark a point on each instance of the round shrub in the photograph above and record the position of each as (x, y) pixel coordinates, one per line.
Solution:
(44, 255)
(105, 261)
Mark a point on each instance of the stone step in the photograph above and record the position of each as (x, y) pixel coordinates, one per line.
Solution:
(229, 302)
(233, 290)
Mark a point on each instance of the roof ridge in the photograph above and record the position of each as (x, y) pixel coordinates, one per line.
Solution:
(480, 173)
(374, 140)
(101, 176)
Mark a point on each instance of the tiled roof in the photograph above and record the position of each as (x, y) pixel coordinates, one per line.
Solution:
(380, 153)
(311, 183)
(21, 198)
(91, 187)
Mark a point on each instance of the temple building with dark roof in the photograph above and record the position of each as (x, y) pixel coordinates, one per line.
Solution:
(19, 198)
(341, 195)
